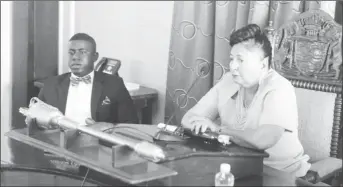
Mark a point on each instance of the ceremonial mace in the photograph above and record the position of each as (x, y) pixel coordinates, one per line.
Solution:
(46, 115)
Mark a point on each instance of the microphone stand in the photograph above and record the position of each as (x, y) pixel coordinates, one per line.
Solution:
(163, 134)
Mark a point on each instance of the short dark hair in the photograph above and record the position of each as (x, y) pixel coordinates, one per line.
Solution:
(84, 37)
(253, 32)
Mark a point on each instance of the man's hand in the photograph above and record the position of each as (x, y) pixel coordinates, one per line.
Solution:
(202, 124)
(33, 122)
(100, 126)
(29, 121)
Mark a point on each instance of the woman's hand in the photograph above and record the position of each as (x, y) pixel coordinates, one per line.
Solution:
(202, 124)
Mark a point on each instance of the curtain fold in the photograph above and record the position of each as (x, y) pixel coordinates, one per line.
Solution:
(191, 52)
(200, 47)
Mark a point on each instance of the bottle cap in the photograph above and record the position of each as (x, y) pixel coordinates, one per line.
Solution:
(225, 168)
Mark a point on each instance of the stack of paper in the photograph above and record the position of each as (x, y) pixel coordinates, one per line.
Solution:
(131, 86)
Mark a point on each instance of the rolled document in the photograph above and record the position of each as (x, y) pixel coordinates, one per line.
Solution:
(47, 115)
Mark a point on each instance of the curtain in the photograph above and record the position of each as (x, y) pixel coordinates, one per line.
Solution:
(199, 46)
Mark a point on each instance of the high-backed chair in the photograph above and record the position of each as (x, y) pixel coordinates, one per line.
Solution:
(307, 51)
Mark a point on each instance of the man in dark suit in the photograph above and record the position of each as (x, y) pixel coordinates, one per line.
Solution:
(86, 94)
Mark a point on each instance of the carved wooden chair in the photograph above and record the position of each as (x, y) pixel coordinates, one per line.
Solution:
(307, 51)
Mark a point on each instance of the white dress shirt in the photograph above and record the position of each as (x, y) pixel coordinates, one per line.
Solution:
(78, 107)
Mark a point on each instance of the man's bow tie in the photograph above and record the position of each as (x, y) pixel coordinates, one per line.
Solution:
(74, 81)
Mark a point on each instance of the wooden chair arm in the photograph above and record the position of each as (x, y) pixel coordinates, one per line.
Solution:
(323, 170)
(311, 176)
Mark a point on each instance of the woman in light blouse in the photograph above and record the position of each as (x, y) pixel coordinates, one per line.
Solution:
(256, 106)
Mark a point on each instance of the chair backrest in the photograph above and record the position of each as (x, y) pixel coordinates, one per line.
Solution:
(307, 51)
(108, 65)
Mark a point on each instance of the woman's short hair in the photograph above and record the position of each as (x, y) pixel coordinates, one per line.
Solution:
(252, 33)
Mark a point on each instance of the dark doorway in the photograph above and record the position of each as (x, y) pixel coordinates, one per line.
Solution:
(35, 56)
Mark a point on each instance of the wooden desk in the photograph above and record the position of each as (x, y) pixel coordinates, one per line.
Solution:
(196, 162)
(198, 170)
(18, 175)
(143, 99)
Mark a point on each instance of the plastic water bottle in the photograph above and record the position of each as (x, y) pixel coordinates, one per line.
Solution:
(224, 177)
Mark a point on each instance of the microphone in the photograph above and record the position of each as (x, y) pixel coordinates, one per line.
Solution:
(176, 135)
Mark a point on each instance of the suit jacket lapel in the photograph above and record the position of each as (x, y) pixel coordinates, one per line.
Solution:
(63, 93)
(96, 92)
